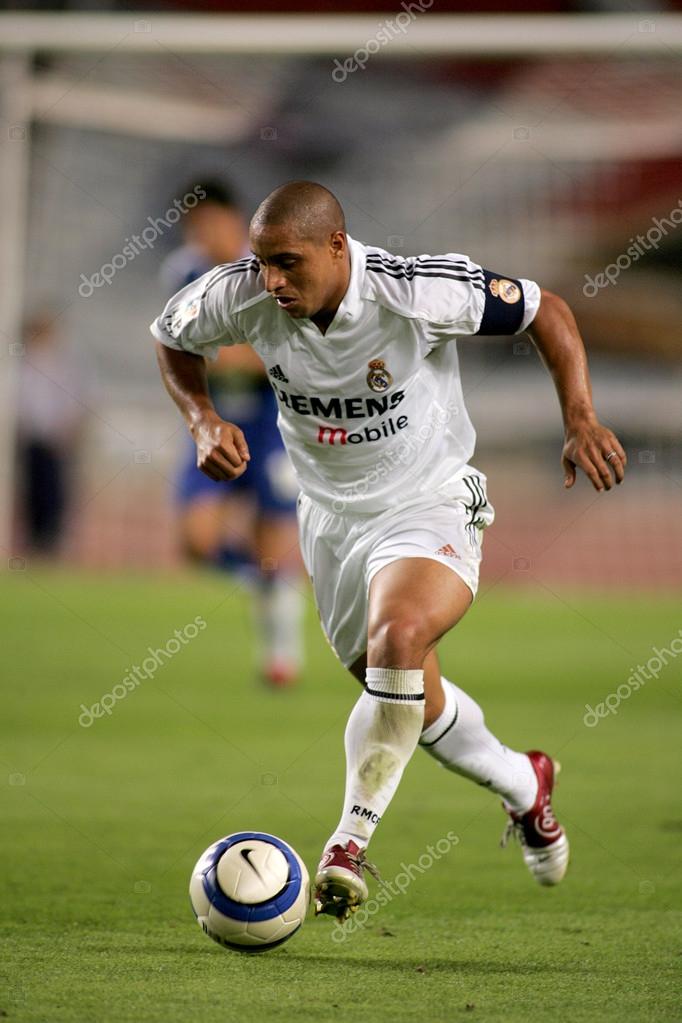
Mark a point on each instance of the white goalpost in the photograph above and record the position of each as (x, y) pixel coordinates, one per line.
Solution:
(414, 30)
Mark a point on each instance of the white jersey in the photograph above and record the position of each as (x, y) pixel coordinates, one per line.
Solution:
(372, 412)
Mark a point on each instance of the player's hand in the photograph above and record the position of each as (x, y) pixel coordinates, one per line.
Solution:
(222, 451)
(597, 451)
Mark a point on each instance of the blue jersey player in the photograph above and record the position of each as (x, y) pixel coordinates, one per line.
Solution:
(248, 524)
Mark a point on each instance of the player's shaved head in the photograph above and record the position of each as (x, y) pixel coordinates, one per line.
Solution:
(298, 235)
(305, 209)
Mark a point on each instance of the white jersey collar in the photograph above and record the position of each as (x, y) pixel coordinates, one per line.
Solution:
(352, 300)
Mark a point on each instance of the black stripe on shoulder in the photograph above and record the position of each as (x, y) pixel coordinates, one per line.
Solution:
(230, 270)
(221, 267)
(389, 257)
(444, 275)
(424, 262)
(410, 269)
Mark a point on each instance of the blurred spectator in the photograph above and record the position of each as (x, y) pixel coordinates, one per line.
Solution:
(248, 525)
(49, 419)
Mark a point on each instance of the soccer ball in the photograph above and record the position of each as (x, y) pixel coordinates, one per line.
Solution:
(250, 891)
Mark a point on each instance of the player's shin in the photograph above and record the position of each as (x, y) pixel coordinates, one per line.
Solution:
(460, 741)
(381, 736)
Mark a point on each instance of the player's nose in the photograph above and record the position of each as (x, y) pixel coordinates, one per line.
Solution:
(273, 279)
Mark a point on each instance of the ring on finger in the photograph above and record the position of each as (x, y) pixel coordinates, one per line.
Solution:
(612, 454)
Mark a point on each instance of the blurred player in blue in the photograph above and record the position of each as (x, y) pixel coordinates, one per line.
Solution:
(246, 525)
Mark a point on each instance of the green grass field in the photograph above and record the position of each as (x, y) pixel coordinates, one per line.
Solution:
(102, 825)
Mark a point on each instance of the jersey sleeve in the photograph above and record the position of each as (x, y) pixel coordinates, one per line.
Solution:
(465, 299)
(197, 318)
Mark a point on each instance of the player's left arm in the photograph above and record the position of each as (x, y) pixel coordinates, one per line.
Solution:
(587, 444)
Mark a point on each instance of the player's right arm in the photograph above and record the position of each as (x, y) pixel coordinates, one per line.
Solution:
(195, 324)
(222, 451)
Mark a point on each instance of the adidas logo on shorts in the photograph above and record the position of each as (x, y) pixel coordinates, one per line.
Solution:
(449, 551)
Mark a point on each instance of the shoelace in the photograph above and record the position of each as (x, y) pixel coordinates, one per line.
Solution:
(362, 863)
(514, 830)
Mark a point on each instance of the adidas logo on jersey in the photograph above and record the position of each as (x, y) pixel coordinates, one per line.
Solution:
(277, 374)
(449, 551)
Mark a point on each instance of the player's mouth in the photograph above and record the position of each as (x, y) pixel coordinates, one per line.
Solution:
(285, 301)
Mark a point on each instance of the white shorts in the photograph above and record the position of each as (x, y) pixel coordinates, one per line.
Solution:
(343, 553)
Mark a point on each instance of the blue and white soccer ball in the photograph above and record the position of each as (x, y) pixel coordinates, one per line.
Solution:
(250, 891)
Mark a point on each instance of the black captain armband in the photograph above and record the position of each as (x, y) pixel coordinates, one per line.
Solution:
(504, 305)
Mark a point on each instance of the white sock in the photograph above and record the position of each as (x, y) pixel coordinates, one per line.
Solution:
(278, 611)
(381, 736)
(460, 741)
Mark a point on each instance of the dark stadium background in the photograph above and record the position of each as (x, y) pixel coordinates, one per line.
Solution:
(541, 166)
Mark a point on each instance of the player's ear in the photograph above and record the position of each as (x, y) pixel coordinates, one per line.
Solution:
(337, 244)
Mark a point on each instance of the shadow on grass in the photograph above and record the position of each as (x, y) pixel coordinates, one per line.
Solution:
(335, 959)
(426, 965)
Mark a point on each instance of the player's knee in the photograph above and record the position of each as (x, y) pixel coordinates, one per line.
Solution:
(197, 546)
(398, 641)
(198, 542)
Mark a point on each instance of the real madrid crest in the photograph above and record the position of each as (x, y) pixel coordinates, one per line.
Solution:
(508, 291)
(378, 378)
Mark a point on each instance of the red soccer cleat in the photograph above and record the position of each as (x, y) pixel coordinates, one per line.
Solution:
(339, 883)
(543, 842)
(280, 675)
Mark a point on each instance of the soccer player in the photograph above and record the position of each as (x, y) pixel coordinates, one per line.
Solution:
(360, 346)
(248, 524)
